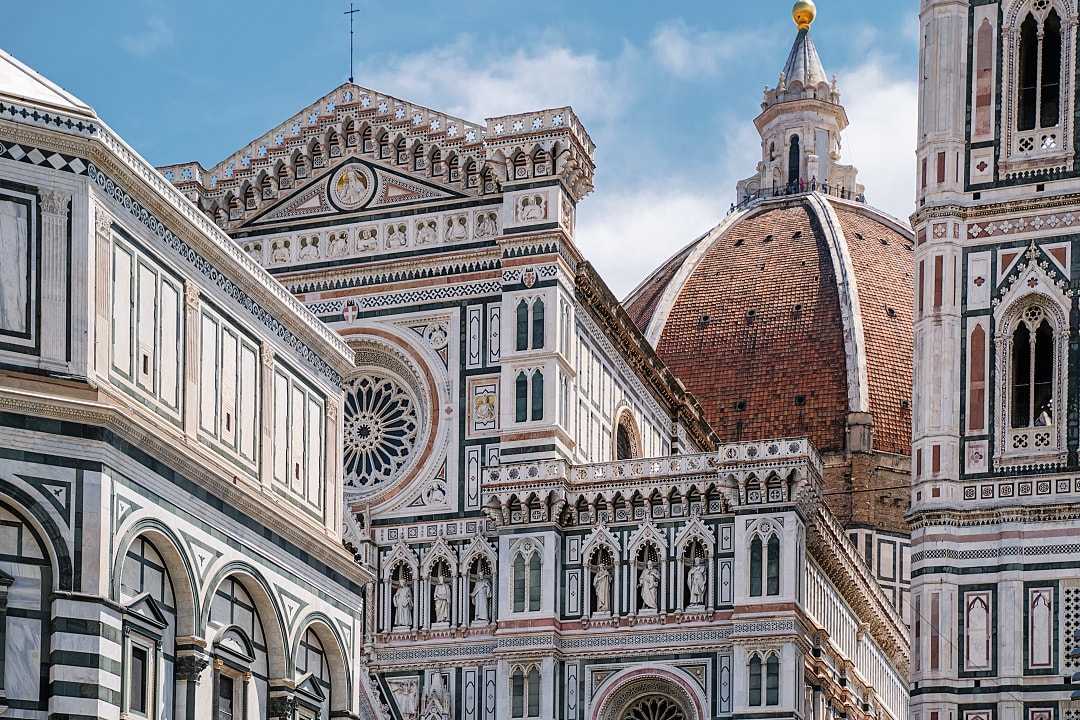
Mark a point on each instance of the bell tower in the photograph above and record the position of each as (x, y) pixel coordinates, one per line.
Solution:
(800, 124)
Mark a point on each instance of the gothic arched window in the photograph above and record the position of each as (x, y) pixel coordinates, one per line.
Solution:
(755, 567)
(538, 396)
(521, 398)
(538, 324)
(624, 445)
(519, 583)
(1032, 372)
(772, 680)
(793, 161)
(521, 334)
(1050, 73)
(525, 693)
(755, 682)
(1028, 72)
(1039, 72)
(534, 582)
(773, 568)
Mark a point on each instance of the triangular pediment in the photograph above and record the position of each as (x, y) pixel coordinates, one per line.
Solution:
(354, 185)
(146, 607)
(309, 687)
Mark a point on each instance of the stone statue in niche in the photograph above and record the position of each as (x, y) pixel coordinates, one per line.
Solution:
(481, 598)
(441, 593)
(648, 584)
(697, 579)
(436, 699)
(601, 582)
(403, 605)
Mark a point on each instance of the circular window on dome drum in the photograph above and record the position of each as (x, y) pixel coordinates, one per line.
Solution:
(383, 426)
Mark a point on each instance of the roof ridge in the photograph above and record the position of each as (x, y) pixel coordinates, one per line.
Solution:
(19, 80)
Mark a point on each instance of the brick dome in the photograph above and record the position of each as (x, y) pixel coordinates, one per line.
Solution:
(791, 318)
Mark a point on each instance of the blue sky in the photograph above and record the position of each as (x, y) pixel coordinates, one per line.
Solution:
(668, 90)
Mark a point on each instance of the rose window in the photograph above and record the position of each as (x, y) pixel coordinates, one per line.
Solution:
(382, 426)
(654, 707)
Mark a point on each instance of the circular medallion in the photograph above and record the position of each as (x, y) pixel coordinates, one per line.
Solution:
(381, 429)
(351, 186)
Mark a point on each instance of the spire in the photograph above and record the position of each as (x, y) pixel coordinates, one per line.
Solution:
(803, 63)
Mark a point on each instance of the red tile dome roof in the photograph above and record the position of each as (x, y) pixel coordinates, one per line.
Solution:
(787, 317)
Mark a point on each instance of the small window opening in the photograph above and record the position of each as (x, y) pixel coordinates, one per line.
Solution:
(139, 665)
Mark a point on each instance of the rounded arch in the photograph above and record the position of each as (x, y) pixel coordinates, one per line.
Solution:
(167, 545)
(333, 645)
(629, 687)
(32, 512)
(270, 616)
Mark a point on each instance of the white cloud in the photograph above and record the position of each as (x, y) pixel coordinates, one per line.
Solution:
(154, 36)
(461, 81)
(688, 53)
(880, 141)
(628, 232)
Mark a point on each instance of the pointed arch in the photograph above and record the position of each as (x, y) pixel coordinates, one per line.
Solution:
(440, 550)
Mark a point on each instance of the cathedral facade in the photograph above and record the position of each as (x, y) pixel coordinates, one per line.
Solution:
(995, 499)
(347, 426)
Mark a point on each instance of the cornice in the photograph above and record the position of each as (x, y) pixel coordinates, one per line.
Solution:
(972, 212)
(190, 460)
(971, 517)
(828, 545)
(379, 274)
